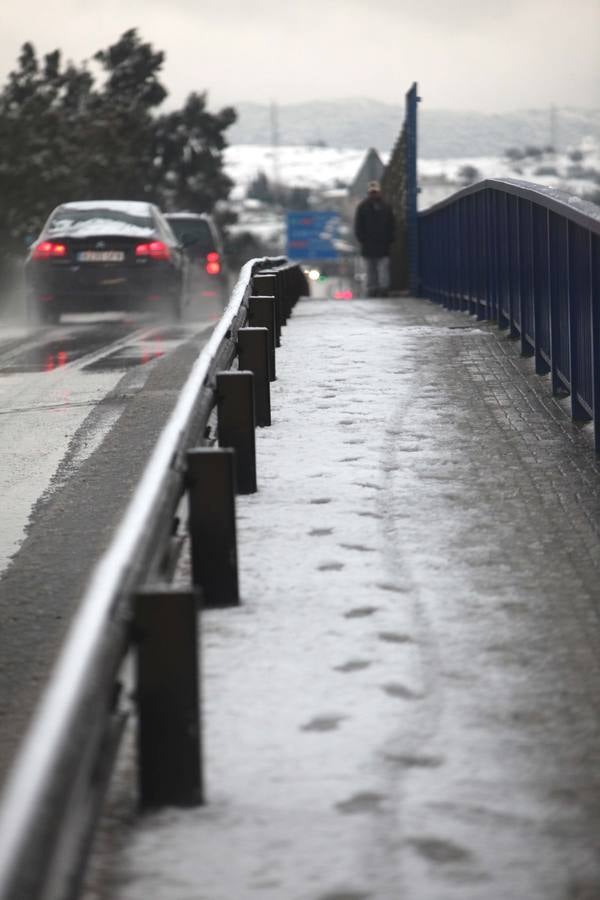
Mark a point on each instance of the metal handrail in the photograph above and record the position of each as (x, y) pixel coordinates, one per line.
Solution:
(527, 257)
(572, 207)
(39, 783)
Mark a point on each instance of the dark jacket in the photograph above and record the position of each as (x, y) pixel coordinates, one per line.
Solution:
(374, 227)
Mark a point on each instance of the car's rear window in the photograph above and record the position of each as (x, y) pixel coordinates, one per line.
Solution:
(197, 228)
(77, 221)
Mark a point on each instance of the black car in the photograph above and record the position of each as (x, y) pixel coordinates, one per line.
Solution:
(208, 272)
(101, 255)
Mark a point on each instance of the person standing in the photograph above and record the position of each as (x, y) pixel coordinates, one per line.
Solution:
(374, 227)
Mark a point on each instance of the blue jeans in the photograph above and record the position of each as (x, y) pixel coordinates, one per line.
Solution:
(378, 274)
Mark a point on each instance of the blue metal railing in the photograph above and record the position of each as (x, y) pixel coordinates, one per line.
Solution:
(527, 257)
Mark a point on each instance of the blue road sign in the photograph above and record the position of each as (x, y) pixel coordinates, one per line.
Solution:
(311, 235)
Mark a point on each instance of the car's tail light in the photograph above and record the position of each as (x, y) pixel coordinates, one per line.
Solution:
(213, 263)
(153, 250)
(49, 250)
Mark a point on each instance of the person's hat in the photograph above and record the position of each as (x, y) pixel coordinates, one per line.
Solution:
(373, 186)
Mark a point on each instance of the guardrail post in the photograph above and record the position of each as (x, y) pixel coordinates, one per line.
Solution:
(284, 291)
(236, 421)
(265, 284)
(261, 314)
(300, 285)
(169, 741)
(253, 352)
(211, 524)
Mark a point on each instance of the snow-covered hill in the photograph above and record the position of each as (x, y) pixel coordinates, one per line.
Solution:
(318, 168)
(324, 168)
(442, 133)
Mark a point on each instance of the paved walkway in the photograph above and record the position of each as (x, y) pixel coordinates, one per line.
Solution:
(407, 704)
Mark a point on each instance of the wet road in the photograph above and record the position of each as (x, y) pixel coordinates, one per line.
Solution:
(50, 380)
(81, 406)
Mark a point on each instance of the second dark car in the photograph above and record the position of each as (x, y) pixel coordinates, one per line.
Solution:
(208, 271)
(100, 255)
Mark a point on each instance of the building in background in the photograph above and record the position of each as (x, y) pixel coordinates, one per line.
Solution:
(371, 169)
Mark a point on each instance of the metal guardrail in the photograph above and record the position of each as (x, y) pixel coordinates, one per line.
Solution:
(53, 795)
(527, 257)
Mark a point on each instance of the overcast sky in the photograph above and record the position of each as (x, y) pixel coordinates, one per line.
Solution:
(492, 55)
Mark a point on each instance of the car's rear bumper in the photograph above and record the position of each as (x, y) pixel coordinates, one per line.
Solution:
(101, 289)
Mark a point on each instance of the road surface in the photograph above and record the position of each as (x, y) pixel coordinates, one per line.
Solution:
(81, 406)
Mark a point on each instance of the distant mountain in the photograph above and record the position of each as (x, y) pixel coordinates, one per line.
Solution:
(363, 123)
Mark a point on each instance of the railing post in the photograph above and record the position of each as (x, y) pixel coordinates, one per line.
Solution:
(285, 294)
(578, 412)
(296, 287)
(169, 743)
(261, 314)
(236, 422)
(553, 299)
(211, 524)
(265, 284)
(431, 241)
(519, 279)
(253, 353)
(527, 349)
(541, 298)
(513, 260)
(525, 272)
(487, 253)
(472, 259)
(285, 291)
(465, 251)
(446, 286)
(455, 248)
(595, 329)
(496, 235)
(503, 239)
(482, 262)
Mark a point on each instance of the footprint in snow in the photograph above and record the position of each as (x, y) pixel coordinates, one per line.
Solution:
(360, 612)
(323, 723)
(353, 665)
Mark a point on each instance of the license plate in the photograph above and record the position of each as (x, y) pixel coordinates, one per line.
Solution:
(101, 256)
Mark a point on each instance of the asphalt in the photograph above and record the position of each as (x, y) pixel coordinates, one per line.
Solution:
(81, 501)
(406, 704)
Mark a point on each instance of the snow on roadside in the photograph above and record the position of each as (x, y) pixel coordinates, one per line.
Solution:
(296, 717)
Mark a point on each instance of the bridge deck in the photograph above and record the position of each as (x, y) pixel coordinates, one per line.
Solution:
(406, 705)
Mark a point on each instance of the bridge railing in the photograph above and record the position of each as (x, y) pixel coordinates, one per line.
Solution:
(527, 257)
(131, 649)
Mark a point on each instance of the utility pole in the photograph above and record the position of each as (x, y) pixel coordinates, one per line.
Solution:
(554, 128)
(275, 147)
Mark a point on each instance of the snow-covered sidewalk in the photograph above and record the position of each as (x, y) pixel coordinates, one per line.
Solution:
(404, 705)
